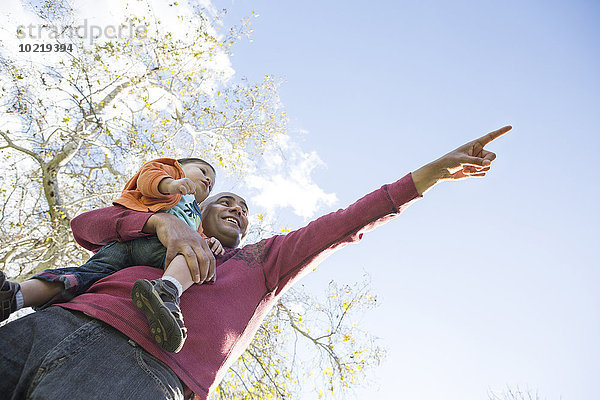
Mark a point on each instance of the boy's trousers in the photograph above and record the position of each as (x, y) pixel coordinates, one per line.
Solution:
(111, 258)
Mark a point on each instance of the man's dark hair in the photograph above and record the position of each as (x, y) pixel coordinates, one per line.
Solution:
(195, 160)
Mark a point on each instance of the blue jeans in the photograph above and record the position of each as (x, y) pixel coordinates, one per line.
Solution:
(64, 354)
(111, 258)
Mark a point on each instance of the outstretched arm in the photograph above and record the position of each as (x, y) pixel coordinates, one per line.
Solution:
(287, 258)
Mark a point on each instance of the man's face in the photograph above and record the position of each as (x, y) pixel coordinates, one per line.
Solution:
(203, 177)
(225, 217)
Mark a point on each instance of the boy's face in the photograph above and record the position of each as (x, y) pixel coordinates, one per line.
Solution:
(203, 177)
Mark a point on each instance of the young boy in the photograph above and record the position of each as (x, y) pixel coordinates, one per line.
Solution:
(164, 184)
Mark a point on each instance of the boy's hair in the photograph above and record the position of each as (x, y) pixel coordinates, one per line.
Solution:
(195, 160)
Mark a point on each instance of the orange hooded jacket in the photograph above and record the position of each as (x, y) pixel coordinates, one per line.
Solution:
(141, 191)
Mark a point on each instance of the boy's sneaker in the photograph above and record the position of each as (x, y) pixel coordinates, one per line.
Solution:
(159, 302)
(8, 301)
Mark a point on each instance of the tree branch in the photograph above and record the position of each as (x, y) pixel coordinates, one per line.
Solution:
(12, 145)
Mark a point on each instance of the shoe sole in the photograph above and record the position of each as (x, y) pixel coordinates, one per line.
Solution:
(163, 325)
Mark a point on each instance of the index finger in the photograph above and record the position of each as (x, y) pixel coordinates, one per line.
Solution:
(485, 139)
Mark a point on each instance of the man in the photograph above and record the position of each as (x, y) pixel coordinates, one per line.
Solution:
(96, 345)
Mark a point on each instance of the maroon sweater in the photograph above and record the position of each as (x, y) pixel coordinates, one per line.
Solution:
(222, 318)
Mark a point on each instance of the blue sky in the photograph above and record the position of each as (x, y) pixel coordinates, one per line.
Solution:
(483, 283)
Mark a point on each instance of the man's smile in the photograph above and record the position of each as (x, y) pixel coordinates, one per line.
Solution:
(233, 220)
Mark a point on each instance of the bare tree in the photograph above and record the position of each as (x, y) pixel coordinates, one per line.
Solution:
(339, 352)
(515, 393)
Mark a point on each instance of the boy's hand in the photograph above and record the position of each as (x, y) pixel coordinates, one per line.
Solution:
(215, 246)
(177, 186)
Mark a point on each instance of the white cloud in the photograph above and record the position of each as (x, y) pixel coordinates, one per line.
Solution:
(285, 180)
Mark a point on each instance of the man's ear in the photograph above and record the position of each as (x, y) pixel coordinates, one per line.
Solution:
(204, 205)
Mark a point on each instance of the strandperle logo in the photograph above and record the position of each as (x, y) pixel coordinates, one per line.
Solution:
(84, 31)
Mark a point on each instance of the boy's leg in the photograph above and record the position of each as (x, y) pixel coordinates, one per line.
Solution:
(159, 301)
(73, 281)
(179, 271)
(58, 285)
(150, 251)
(37, 292)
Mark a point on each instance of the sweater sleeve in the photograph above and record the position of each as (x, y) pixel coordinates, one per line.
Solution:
(94, 229)
(152, 173)
(287, 257)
